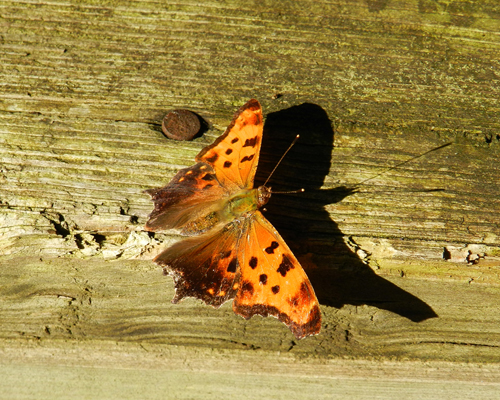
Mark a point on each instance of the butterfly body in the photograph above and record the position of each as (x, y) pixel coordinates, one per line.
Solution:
(233, 251)
(246, 201)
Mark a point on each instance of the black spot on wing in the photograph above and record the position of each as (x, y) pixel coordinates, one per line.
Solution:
(247, 287)
(232, 265)
(285, 266)
(229, 151)
(275, 289)
(208, 177)
(263, 279)
(213, 158)
(251, 142)
(247, 158)
(234, 140)
(270, 250)
(227, 164)
(253, 262)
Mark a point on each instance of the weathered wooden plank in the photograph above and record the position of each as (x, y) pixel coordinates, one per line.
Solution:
(178, 373)
(366, 315)
(405, 257)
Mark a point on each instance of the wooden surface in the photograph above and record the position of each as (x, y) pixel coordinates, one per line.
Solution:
(402, 245)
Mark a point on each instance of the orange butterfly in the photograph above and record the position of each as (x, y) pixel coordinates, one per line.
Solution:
(234, 252)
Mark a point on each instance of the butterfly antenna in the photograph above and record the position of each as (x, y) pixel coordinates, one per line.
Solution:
(281, 159)
(404, 162)
(290, 191)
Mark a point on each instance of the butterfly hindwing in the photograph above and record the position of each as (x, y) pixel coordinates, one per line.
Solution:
(273, 282)
(205, 267)
(235, 154)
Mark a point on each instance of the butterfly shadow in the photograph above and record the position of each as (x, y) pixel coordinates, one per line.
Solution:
(340, 277)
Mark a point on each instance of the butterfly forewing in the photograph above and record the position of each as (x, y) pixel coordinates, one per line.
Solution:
(193, 193)
(235, 155)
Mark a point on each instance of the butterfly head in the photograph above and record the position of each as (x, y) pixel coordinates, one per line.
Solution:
(264, 194)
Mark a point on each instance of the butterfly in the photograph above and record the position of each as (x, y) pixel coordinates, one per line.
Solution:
(233, 251)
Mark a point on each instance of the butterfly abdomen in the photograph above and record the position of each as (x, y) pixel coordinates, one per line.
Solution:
(201, 225)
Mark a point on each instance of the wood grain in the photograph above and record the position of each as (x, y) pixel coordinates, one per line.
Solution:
(402, 244)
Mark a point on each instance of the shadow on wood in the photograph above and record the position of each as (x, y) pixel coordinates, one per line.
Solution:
(346, 279)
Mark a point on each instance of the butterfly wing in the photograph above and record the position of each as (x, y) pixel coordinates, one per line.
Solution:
(192, 195)
(249, 261)
(235, 155)
(272, 282)
(205, 266)
(190, 201)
